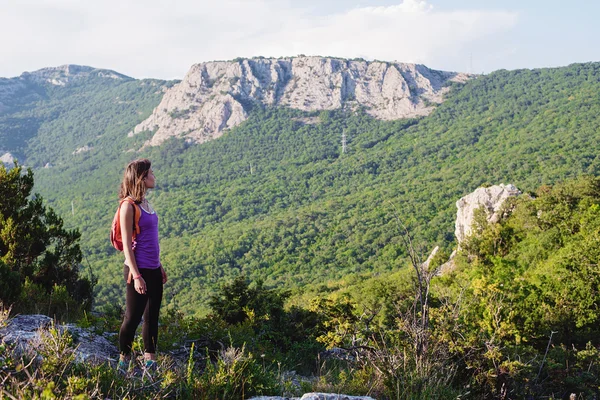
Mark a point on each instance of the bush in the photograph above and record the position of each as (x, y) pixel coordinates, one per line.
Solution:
(235, 375)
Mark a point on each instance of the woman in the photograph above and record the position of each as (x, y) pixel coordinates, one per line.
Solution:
(143, 270)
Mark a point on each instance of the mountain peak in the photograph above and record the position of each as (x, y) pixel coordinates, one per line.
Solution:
(212, 95)
(69, 73)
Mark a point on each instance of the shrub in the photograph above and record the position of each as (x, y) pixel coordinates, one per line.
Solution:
(235, 375)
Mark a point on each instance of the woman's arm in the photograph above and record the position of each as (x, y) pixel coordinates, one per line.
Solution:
(126, 221)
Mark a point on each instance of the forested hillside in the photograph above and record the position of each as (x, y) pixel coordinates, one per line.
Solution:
(275, 198)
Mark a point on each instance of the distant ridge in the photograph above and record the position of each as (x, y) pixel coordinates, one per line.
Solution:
(65, 74)
(25, 88)
(215, 96)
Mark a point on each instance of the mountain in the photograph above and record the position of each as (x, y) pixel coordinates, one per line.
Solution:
(215, 96)
(35, 106)
(28, 87)
(276, 197)
(69, 74)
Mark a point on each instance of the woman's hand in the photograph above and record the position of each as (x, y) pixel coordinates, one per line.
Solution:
(164, 274)
(140, 285)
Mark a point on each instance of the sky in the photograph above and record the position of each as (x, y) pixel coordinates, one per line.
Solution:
(162, 39)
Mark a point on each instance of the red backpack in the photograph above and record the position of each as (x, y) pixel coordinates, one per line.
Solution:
(115, 230)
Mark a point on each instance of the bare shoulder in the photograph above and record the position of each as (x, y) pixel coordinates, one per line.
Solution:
(126, 208)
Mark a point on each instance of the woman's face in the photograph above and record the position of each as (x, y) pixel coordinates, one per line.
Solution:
(150, 180)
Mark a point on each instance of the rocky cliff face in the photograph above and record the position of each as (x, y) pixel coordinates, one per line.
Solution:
(212, 95)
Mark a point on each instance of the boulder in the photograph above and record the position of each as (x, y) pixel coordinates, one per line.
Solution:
(23, 332)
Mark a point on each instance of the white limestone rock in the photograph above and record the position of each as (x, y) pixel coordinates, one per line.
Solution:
(490, 198)
(212, 95)
(82, 149)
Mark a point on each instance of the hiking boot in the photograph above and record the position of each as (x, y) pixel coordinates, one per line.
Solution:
(150, 369)
(123, 367)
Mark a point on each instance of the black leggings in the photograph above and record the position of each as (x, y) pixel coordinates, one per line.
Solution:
(137, 305)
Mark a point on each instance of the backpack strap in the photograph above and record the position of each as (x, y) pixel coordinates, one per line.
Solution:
(136, 215)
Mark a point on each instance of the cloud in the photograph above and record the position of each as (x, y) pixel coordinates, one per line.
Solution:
(411, 32)
(162, 39)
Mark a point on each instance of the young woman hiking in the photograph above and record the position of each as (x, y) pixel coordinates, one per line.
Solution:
(143, 270)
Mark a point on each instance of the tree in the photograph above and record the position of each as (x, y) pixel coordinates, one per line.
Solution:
(34, 246)
(237, 299)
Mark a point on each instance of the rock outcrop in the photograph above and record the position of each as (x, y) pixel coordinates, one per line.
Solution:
(83, 149)
(24, 332)
(490, 198)
(214, 96)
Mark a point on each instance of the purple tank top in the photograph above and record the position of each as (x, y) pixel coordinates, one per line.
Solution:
(147, 249)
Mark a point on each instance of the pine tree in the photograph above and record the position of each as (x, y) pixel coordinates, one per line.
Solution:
(34, 245)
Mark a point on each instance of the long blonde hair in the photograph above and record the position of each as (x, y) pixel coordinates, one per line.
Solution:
(133, 180)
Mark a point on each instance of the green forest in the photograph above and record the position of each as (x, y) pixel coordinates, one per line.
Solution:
(274, 199)
(272, 222)
(517, 317)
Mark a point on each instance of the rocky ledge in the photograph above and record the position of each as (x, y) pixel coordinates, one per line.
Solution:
(25, 333)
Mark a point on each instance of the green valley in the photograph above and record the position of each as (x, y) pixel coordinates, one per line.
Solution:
(280, 244)
(275, 200)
